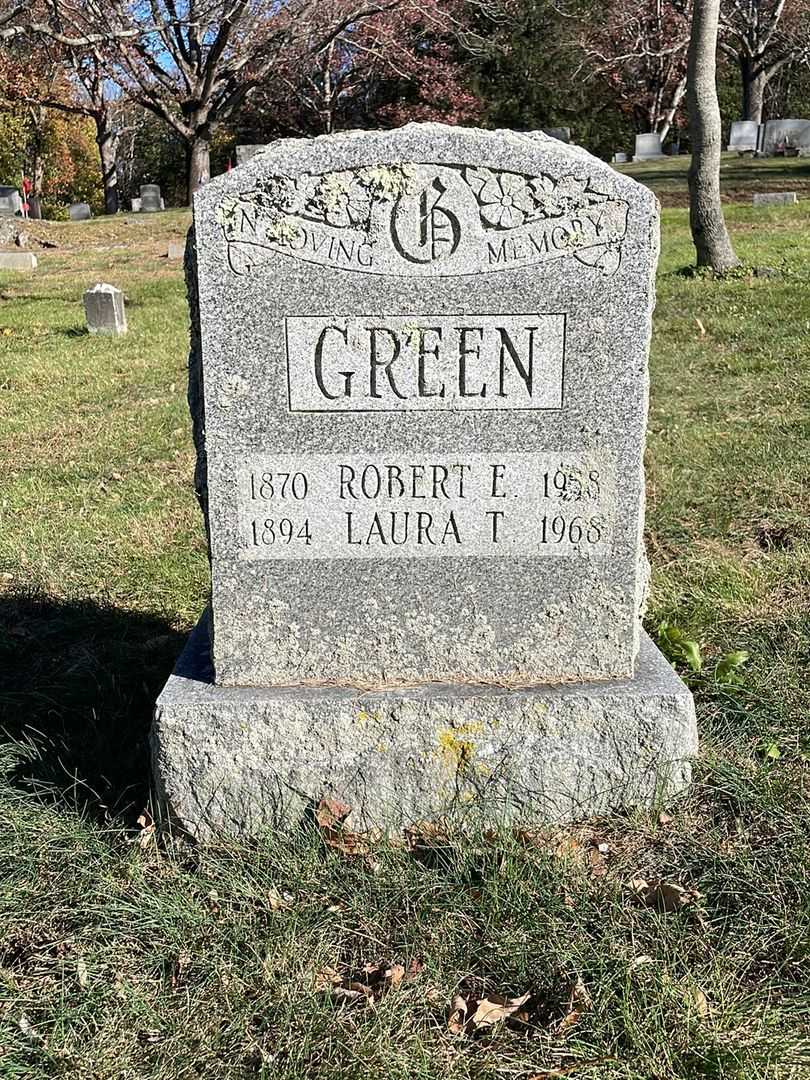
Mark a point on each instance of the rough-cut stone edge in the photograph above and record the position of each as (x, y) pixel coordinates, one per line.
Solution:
(237, 761)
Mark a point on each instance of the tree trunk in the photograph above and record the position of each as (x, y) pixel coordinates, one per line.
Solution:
(674, 104)
(107, 139)
(753, 90)
(706, 220)
(199, 164)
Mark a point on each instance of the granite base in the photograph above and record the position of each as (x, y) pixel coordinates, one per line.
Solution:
(237, 761)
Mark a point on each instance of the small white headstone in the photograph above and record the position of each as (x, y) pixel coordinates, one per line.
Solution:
(104, 309)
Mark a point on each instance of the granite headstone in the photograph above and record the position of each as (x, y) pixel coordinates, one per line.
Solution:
(419, 387)
(151, 201)
(779, 135)
(246, 151)
(744, 136)
(80, 211)
(10, 201)
(648, 147)
(104, 310)
(774, 198)
(18, 260)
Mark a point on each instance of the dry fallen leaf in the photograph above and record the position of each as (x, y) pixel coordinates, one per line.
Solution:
(664, 819)
(371, 983)
(279, 901)
(330, 813)
(81, 972)
(146, 836)
(330, 816)
(579, 1000)
(695, 996)
(701, 327)
(471, 1012)
(663, 895)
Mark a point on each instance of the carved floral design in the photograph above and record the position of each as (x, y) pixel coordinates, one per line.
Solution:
(505, 199)
(537, 210)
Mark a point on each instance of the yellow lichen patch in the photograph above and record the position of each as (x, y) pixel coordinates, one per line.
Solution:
(386, 181)
(456, 753)
(364, 717)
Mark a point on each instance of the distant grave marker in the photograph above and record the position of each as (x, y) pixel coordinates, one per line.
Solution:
(104, 310)
(150, 201)
(18, 260)
(10, 201)
(648, 147)
(80, 212)
(775, 198)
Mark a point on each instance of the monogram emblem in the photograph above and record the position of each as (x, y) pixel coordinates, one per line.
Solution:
(422, 229)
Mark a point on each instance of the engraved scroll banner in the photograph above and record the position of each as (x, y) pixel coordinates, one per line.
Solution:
(423, 219)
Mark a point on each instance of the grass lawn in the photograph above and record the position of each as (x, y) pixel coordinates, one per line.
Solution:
(740, 177)
(122, 957)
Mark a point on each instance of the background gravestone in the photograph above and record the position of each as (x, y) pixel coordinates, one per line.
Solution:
(246, 151)
(10, 201)
(80, 212)
(648, 147)
(420, 449)
(744, 136)
(774, 198)
(563, 134)
(781, 134)
(150, 198)
(18, 260)
(104, 310)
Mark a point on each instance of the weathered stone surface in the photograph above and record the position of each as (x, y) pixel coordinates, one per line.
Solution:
(177, 249)
(620, 158)
(136, 206)
(775, 198)
(18, 260)
(150, 199)
(385, 317)
(80, 212)
(104, 309)
(744, 135)
(783, 134)
(648, 147)
(239, 760)
(10, 201)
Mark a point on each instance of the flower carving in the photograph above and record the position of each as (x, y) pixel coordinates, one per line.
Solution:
(342, 200)
(568, 194)
(505, 200)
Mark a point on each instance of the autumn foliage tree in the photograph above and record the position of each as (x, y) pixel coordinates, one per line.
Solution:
(640, 46)
(763, 37)
(405, 63)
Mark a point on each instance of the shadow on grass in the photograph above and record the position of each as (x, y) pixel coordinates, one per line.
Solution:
(78, 682)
